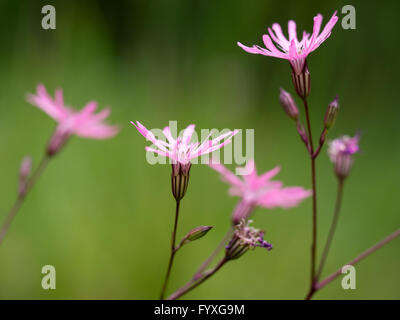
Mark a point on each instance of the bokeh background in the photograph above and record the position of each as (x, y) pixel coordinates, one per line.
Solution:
(103, 216)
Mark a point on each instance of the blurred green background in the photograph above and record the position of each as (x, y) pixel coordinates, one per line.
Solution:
(103, 216)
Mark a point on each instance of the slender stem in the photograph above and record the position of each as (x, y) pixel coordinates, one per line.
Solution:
(193, 283)
(363, 255)
(314, 197)
(321, 143)
(21, 197)
(335, 218)
(207, 262)
(173, 251)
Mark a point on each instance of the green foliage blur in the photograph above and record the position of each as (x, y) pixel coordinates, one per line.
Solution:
(103, 216)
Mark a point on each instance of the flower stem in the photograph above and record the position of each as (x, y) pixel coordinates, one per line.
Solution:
(173, 251)
(195, 283)
(21, 197)
(363, 255)
(207, 262)
(314, 197)
(335, 218)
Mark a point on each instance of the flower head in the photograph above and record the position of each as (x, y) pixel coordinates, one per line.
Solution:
(181, 150)
(341, 151)
(245, 237)
(256, 190)
(292, 49)
(84, 123)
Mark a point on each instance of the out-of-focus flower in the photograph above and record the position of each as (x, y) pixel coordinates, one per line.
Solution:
(260, 191)
(244, 238)
(84, 123)
(181, 151)
(292, 49)
(341, 151)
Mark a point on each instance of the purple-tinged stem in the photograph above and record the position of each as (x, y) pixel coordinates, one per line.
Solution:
(321, 143)
(314, 197)
(195, 283)
(21, 197)
(335, 218)
(363, 255)
(173, 252)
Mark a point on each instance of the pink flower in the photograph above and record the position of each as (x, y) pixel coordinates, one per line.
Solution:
(84, 123)
(343, 146)
(341, 151)
(181, 150)
(259, 191)
(292, 49)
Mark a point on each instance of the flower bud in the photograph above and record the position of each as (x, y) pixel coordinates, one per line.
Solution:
(302, 132)
(288, 104)
(244, 238)
(302, 81)
(195, 234)
(331, 113)
(24, 172)
(180, 179)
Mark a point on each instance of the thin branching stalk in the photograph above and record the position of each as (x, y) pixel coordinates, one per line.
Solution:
(363, 255)
(314, 197)
(195, 283)
(335, 219)
(21, 197)
(173, 251)
(217, 250)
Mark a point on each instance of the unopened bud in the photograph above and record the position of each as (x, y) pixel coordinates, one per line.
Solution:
(331, 113)
(302, 132)
(195, 234)
(301, 81)
(288, 104)
(24, 172)
(180, 179)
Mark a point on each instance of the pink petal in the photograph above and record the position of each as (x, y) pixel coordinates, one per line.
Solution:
(284, 198)
(44, 102)
(253, 49)
(270, 174)
(187, 134)
(226, 174)
(168, 135)
(150, 136)
(270, 46)
(292, 31)
(98, 131)
(279, 34)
